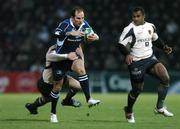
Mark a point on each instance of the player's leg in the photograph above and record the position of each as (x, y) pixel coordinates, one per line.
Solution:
(78, 67)
(58, 76)
(137, 72)
(44, 89)
(159, 71)
(74, 87)
(137, 87)
(54, 96)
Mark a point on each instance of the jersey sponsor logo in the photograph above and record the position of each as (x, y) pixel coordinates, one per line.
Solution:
(135, 71)
(74, 40)
(144, 40)
(58, 72)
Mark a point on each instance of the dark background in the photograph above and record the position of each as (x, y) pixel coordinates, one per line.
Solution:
(27, 26)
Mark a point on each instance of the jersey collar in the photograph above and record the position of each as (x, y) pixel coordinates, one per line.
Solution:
(74, 26)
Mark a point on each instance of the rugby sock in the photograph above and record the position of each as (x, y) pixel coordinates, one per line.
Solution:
(54, 98)
(39, 102)
(83, 79)
(162, 92)
(131, 101)
(70, 94)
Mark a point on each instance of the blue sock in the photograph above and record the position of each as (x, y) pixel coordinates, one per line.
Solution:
(84, 82)
(54, 99)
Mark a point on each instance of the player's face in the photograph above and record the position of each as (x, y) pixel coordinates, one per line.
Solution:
(138, 18)
(78, 18)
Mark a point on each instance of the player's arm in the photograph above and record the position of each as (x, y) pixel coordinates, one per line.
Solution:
(75, 33)
(123, 49)
(124, 39)
(60, 31)
(159, 43)
(92, 37)
(52, 56)
(126, 53)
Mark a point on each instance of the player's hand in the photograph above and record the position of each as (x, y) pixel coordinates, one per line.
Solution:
(167, 49)
(92, 37)
(129, 59)
(72, 56)
(75, 33)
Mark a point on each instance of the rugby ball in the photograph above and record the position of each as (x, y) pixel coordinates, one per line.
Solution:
(88, 31)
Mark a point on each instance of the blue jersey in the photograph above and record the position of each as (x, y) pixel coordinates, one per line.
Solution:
(66, 44)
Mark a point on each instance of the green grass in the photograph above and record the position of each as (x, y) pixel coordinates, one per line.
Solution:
(107, 115)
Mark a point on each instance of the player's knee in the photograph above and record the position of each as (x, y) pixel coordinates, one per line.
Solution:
(136, 91)
(57, 87)
(75, 90)
(165, 80)
(81, 71)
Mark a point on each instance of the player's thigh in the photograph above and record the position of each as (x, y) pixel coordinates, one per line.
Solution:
(73, 83)
(44, 88)
(137, 71)
(160, 72)
(58, 85)
(78, 66)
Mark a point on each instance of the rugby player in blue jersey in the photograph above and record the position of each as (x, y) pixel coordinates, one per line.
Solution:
(70, 34)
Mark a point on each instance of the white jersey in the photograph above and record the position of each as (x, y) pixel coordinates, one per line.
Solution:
(140, 38)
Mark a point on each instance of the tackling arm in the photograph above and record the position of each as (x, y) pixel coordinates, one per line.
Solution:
(53, 56)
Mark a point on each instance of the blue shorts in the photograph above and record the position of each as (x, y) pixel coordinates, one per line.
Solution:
(60, 69)
(138, 69)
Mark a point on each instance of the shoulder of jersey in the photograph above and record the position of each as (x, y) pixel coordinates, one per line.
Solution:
(131, 25)
(67, 21)
(148, 23)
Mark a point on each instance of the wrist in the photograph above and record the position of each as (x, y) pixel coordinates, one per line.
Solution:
(68, 33)
(64, 56)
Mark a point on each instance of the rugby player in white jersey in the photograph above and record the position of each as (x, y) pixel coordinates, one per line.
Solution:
(141, 36)
(46, 85)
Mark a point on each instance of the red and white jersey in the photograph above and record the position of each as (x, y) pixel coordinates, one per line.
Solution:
(140, 39)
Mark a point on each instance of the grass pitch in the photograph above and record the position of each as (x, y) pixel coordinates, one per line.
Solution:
(107, 115)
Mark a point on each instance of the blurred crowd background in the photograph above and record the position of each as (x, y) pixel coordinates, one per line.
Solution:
(27, 28)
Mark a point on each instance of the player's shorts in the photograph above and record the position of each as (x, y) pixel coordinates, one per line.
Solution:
(60, 69)
(138, 69)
